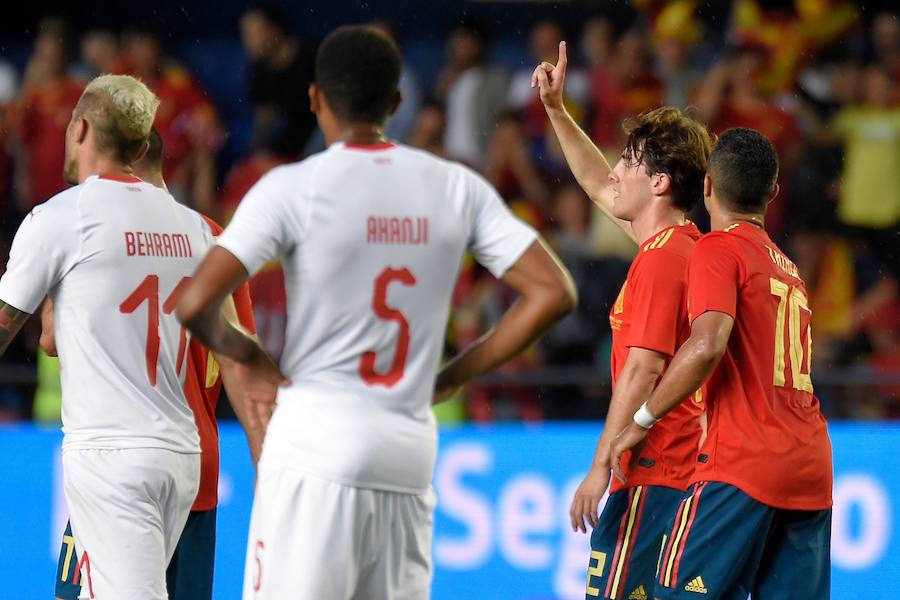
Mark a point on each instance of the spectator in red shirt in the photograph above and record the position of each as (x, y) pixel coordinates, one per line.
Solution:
(186, 120)
(40, 116)
(624, 87)
(731, 97)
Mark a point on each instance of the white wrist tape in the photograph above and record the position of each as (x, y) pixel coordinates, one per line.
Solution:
(643, 417)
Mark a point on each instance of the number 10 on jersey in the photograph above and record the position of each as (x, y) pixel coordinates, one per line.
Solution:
(792, 304)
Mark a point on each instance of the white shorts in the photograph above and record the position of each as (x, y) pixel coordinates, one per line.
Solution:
(312, 539)
(128, 508)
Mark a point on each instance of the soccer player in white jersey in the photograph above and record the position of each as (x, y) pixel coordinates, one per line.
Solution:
(113, 253)
(371, 235)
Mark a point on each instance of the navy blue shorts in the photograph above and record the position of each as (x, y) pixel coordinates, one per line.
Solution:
(625, 545)
(190, 573)
(725, 545)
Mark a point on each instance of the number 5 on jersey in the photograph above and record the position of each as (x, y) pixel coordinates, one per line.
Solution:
(383, 311)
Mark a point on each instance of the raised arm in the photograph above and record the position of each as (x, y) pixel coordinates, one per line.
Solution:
(546, 294)
(587, 163)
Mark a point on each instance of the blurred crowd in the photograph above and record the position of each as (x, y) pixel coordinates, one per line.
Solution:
(819, 78)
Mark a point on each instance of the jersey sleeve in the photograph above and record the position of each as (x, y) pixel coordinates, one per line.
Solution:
(656, 292)
(244, 307)
(264, 226)
(45, 248)
(714, 277)
(497, 238)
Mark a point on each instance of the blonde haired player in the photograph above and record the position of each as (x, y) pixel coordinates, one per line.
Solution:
(113, 253)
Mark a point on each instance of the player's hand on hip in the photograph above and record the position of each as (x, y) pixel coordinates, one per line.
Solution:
(586, 503)
(634, 438)
(550, 80)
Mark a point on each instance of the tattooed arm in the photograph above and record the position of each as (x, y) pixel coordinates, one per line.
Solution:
(11, 321)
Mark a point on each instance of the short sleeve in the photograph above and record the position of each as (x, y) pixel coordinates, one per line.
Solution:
(656, 293)
(244, 307)
(263, 227)
(497, 238)
(714, 277)
(45, 248)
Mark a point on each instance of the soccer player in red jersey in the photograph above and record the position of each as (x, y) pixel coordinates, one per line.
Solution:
(757, 519)
(658, 178)
(190, 572)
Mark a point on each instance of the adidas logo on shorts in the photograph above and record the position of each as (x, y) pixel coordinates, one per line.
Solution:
(696, 586)
(639, 594)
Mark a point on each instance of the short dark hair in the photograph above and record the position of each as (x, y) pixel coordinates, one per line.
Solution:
(743, 167)
(665, 140)
(153, 158)
(358, 70)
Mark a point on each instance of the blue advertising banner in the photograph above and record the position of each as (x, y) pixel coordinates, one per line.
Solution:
(501, 525)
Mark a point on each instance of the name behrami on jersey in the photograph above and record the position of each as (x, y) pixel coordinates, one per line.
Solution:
(113, 255)
(371, 239)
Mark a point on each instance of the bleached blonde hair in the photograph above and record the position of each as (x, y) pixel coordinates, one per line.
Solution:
(122, 110)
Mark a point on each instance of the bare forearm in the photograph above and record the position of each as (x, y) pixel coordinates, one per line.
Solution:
(223, 337)
(11, 321)
(252, 424)
(691, 367)
(522, 324)
(587, 163)
(633, 387)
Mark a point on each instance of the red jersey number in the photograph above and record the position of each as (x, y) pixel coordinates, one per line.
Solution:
(148, 290)
(792, 308)
(383, 311)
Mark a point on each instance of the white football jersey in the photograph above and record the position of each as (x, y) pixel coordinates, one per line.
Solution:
(371, 239)
(113, 256)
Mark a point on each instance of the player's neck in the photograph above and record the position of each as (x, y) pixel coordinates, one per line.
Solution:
(655, 219)
(360, 134)
(104, 167)
(725, 219)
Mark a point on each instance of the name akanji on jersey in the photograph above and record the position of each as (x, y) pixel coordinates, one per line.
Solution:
(651, 313)
(766, 435)
(371, 239)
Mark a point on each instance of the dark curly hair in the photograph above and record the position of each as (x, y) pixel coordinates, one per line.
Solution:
(358, 70)
(665, 140)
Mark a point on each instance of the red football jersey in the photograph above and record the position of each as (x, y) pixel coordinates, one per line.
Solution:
(202, 387)
(651, 312)
(766, 433)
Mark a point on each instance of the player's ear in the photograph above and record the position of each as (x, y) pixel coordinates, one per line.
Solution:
(707, 186)
(395, 103)
(81, 129)
(314, 98)
(662, 184)
(774, 194)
